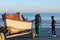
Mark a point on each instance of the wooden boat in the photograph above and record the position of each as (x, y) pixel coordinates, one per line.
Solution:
(15, 23)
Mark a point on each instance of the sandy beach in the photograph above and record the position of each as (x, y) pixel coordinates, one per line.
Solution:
(45, 35)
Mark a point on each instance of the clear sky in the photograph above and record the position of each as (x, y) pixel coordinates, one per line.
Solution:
(29, 5)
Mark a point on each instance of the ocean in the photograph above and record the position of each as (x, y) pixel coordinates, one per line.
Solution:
(46, 19)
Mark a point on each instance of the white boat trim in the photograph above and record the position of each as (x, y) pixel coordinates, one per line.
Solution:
(20, 34)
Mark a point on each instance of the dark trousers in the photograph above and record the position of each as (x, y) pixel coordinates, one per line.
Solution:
(36, 27)
(53, 30)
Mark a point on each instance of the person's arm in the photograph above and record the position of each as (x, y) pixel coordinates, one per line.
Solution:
(54, 21)
(40, 20)
(33, 20)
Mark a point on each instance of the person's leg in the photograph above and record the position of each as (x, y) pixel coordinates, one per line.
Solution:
(36, 30)
(52, 31)
(39, 30)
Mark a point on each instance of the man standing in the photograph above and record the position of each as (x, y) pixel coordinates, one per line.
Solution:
(53, 26)
(37, 24)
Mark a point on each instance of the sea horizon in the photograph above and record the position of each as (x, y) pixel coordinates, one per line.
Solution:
(46, 18)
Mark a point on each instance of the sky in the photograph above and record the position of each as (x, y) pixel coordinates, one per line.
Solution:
(30, 6)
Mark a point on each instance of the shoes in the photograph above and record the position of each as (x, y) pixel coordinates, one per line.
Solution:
(36, 35)
(54, 35)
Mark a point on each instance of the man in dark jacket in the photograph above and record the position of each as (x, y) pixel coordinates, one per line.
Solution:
(53, 26)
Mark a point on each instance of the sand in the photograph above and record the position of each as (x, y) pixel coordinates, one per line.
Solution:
(45, 35)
